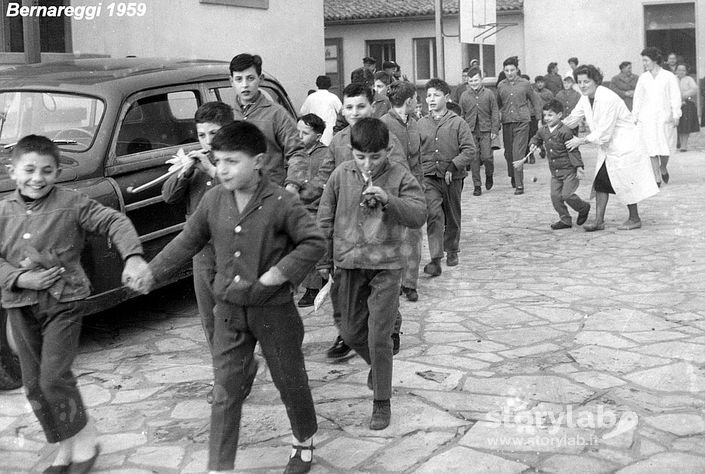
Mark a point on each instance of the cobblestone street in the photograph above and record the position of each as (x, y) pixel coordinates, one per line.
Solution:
(543, 351)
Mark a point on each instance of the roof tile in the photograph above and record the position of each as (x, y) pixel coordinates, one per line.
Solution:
(341, 10)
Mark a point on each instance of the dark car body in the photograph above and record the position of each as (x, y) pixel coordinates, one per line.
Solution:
(116, 122)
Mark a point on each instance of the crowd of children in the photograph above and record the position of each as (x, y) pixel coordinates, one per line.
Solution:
(270, 206)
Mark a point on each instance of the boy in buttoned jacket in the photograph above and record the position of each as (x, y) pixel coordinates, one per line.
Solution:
(197, 176)
(265, 243)
(447, 148)
(480, 111)
(566, 166)
(365, 208)
(43, 228)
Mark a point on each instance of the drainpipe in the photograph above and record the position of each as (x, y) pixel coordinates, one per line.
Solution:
(440, 63)
(30, 35)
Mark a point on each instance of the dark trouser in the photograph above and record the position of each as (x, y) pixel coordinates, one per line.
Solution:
(280, 333)
(203, 276)
(337, 316)
(563, 191)
(533, 128)
(483, 156)
(47, 336)
(443, 224)
(411, 249)
(369, 303)
(516, 138)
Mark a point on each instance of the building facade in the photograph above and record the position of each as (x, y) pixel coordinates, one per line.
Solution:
(288, 35)
(601, 32)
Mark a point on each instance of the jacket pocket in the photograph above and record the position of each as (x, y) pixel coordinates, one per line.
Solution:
(260, 294)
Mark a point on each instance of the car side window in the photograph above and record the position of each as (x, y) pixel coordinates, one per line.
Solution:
(158, 121)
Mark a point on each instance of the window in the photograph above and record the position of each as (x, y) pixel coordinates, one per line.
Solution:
(382, 50)
(486, 57)
(671, 28)
(158, 121)
(425, 58)
(54, 31)
(263, 4)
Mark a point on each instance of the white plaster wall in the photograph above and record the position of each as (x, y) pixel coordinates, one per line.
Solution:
(599, 32)
(510, 40)
(354, 37)
(288, 36)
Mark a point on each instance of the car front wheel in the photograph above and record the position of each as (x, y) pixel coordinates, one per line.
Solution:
(10, 374)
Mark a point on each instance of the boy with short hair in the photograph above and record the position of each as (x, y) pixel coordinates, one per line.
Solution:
(447, 148)
(364, 210)
(311, 128)
(357, 105)
(380, 103)
(569, 98)
(285, 160)
(265, 242)
(197, 176)
(42, 233)
(400, 122)
(566, 166)
(480, 111)
(517, 102)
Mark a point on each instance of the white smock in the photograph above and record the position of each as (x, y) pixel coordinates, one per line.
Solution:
(657, 106)
(612, 129)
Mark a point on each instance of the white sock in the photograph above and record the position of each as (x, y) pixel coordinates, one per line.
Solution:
(306, 454)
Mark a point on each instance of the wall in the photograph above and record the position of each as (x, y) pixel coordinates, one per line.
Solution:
(354, 37)
(187, 28)
(599, 32)
(510, 40)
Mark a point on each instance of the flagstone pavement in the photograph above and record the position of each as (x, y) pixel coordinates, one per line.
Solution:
(543, 351)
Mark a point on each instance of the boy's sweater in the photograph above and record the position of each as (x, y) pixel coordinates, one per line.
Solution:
(361, 237)
(561, 162)
(273, 229)
(55, 226)
(190, 188)
(408, 135)
(446, 145)
(285, 160)
(480, 109)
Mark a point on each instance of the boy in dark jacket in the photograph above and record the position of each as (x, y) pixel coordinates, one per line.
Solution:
(311, 128)
(43, 229)
(197, 176)
(480, 111)
(447, 148)
(265, 243)
(365, 208)
(566, 166)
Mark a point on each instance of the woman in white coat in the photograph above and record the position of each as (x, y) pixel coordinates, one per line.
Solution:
(656, 110)
(620, 169)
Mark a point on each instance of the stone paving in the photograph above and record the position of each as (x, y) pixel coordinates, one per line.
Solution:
(543, 351)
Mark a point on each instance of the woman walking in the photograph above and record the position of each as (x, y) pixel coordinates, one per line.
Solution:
(689, 111)
(656, 110)
(621, 169)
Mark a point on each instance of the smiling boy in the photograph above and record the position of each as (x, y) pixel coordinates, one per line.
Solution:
(43, 228)
(285, 159)
(265, 243)
(447, 148)
(365, 208)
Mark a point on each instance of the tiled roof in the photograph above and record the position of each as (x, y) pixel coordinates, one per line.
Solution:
(343, 10)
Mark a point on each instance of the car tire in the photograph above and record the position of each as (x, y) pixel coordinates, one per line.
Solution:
(10, 373)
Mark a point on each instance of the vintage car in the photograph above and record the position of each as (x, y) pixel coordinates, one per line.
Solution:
(116, 122)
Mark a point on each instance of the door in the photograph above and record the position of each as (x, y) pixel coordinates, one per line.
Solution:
(334, 65)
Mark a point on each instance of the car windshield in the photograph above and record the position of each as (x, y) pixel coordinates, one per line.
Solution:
(70, 120)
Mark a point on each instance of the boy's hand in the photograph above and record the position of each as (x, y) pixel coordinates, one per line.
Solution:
(448, 177)
(324, 273)
(272, 277)
(137, 276)
(39, 279)
(293, 189)
(379, 194)
(200, 160)
(580, 174)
